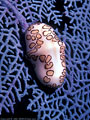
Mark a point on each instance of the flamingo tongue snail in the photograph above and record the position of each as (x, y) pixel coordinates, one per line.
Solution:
(46, 53)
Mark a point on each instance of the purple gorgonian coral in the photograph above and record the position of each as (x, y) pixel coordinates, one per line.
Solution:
(71, 21)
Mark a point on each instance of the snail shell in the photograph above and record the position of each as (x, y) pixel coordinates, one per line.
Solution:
(46, 52)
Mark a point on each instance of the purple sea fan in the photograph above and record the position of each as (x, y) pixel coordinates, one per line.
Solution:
(72, 100)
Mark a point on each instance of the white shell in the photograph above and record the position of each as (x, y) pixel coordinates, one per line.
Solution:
(46, 53)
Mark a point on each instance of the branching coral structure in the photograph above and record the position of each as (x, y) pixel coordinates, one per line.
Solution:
(71, 101)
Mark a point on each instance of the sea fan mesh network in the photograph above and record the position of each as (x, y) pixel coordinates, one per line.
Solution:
(72, 100)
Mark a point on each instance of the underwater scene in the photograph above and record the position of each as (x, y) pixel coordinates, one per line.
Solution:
(45, 59)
